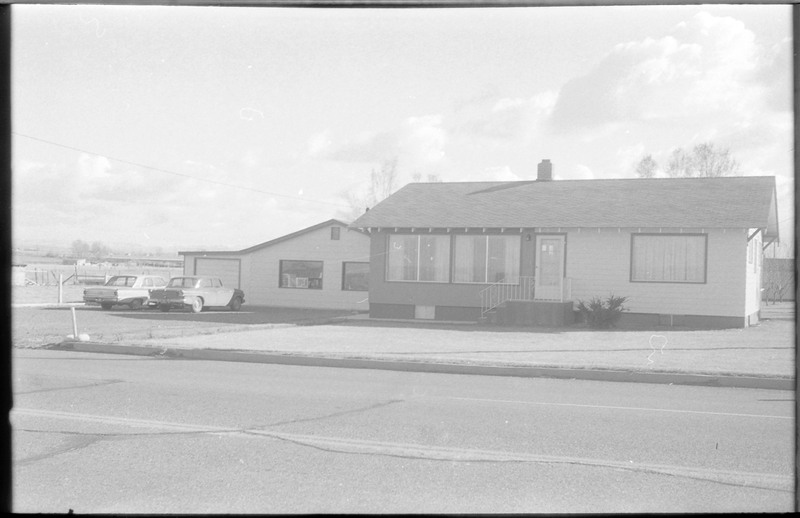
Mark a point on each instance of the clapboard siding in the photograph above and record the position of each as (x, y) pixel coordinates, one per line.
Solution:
(317, 245)
(260, 269)
(599, 264)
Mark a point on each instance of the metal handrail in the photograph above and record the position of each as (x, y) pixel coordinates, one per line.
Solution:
(496, 294)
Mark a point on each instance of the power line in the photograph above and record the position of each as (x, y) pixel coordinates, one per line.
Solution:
(144, 166)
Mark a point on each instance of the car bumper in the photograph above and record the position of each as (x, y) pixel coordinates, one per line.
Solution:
(101, 300)
(172, 303)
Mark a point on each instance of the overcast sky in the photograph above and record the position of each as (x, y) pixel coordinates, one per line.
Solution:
(221, 128)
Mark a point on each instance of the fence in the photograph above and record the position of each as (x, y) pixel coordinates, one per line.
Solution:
(35, 276)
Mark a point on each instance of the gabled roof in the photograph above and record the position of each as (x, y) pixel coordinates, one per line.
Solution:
(731, 202)
(275, 241)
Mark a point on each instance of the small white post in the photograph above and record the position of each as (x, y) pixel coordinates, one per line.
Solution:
(74, 323)
(60, 288)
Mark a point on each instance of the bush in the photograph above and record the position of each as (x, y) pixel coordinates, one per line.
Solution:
(599, 313)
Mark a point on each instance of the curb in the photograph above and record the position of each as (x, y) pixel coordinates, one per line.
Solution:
(621, 376)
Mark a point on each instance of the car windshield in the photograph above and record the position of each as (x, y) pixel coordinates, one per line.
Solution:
(121, 281)
(182, 282)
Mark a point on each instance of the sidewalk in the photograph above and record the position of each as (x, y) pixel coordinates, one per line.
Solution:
(757, 357)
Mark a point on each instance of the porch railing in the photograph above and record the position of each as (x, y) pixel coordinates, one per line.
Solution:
(496, 294)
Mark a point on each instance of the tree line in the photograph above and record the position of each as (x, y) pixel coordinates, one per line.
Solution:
(702, 161)
(83, 250)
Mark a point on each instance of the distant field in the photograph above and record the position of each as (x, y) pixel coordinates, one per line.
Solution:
(48, 273)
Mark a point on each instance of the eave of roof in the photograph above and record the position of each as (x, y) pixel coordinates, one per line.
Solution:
(272, 242)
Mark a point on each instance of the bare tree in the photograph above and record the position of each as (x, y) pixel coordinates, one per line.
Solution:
(646, 168)
(704, 160)
(680, 164)
(431, 178)
(80, 249)
(711, 163)
(382, 185)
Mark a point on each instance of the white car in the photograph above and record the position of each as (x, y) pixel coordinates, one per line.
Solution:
(130, 290)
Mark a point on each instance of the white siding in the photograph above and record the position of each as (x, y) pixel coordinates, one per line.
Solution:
(599, 265)
(316, 245)
(260, 270)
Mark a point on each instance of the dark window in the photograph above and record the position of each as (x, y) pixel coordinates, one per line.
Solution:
(335, 231)
(301, 274)
(355, 276)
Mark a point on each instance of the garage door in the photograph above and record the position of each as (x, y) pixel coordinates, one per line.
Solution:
(228, 270)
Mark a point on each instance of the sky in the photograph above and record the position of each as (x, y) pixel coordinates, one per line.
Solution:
(219, 128)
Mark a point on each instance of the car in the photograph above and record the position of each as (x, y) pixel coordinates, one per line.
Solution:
(130, 290)
(197, 293)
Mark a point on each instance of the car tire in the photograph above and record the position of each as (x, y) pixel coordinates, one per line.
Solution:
(197, 305)
(236, 304)
(164, 308)
(106, 305)
(135, 304)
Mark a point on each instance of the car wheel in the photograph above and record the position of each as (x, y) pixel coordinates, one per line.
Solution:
(236, 304)
(163, 307)
(197, 305)
(136, 304)
(106, 305)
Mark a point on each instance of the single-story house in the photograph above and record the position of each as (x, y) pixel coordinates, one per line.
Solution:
(684, 251)
(323, 266)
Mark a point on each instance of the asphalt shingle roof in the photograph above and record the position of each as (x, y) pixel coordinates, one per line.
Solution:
(732, 202)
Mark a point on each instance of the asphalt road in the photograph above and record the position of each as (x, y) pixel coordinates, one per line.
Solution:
(108, 434)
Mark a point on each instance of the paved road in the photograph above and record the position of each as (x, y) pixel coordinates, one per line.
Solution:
(108, 434)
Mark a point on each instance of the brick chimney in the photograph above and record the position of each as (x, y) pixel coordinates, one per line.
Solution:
(545, 171)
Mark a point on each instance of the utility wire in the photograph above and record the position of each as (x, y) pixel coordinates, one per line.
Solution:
(174, 173)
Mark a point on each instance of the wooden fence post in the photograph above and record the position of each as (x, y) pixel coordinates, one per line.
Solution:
(60, 288)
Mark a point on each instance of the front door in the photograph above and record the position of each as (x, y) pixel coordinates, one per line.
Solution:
(549, 272)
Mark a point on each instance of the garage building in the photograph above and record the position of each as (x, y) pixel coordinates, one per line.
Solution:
(322, 266)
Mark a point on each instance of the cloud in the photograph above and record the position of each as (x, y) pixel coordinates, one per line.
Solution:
(707, 65)
(502, 118)
(417, 143)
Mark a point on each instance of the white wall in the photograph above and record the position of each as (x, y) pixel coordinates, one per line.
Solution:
(599, 265)
(261, 270)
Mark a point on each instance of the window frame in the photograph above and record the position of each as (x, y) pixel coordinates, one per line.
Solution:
(344, 275)
(336, 233)
(449, 274)
(309, 285)
(652, 234)
(486, 259)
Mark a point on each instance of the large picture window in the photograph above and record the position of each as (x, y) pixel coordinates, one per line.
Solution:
(418, 258)
(668, 258)
(301, 274)
(487, 259)
(355, 276)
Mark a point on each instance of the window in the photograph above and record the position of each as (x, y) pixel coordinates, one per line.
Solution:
(418, 258)
(355, 276)
(335, 233)
(301, 274)
(487, 259)
(668, 258)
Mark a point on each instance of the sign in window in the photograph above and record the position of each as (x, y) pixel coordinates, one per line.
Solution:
(301, 274)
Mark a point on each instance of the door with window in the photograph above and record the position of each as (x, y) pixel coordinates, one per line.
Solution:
(549, 267)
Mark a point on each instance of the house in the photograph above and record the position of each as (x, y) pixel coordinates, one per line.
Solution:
(685, 251)
(322, 266)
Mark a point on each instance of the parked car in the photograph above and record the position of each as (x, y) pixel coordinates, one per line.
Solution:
(130, 290)
(197, 293)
